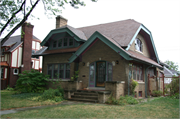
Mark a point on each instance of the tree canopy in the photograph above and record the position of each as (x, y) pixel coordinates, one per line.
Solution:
(13, 13)
(172, 65)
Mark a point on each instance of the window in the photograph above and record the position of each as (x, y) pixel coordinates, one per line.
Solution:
(109, 71)
(67, 71)
(65, 41)
(140, 93)
(71, 42)
(56, 71)
(2, 72)
(54, 44)
(138, 45)
(33, 51)
(137, 72)
(16, 71)
(2, 51)
(60, 43)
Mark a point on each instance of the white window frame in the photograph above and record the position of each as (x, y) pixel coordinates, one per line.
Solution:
(17, 71)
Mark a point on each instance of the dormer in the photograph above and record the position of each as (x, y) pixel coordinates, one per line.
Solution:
(64, 36)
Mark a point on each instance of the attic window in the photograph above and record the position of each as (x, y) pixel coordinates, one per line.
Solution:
(138, 45)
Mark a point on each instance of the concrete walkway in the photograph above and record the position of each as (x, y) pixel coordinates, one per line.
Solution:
(63, 103)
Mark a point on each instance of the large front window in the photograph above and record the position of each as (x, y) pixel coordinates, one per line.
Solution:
(137, 72)
(59, 71)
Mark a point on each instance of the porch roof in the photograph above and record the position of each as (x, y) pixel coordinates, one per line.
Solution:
(4, 64)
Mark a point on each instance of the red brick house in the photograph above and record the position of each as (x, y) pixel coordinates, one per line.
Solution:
(16, 55)
(106, 55)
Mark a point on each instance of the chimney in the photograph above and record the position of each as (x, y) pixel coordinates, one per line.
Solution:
(60, 21)
(26, 37)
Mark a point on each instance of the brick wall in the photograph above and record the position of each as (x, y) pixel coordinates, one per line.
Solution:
(12, 78)
(100, 51)
(27, 29)
(57, 58)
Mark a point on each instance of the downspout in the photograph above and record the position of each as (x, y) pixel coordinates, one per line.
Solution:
(146, 79)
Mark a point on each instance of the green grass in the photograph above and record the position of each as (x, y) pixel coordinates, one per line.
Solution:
(158, 108)
(9, 101)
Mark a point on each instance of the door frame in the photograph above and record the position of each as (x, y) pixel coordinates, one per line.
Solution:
(95, 64)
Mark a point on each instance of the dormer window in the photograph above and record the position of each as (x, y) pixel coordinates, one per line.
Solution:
(138, 45)
(63, 43)
(54, 44)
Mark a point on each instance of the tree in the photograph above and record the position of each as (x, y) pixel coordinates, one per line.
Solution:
(172, 65)
(13, 13)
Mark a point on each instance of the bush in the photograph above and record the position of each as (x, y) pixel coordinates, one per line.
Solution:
(133, 85)
(31, 81)
(53, 94)
(123, 100)
(175, 96)
(9, 88)
(173, 86)
(156, 93)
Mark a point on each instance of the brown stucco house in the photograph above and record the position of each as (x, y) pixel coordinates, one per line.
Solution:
(106, 55)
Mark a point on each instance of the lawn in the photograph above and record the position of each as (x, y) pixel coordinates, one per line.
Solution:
(158, 108)
(9, 101)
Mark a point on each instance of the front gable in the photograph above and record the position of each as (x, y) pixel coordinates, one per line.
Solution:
(148, 44)
(110, 42)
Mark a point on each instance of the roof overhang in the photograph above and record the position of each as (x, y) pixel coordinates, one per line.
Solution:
(4, 64)
(58, 31)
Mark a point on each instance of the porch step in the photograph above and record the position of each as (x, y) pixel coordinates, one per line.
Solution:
(83, 100)
(85, 95)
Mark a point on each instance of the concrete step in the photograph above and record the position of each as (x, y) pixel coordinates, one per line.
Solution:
(84, 100)
(86, 93)
(85, 97)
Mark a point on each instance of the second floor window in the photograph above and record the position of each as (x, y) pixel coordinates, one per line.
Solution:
(63, 42)
(138, 45)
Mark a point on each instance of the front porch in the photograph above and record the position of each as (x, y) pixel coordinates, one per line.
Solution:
(73, 91)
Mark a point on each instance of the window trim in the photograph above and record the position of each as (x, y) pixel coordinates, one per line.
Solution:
(135, 67)
(64, 71)
(139, 45)
(14, 71)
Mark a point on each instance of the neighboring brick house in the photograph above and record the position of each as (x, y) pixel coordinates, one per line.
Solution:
(106, 55)
(16, 55)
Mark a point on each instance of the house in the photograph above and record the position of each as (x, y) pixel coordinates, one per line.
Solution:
(169, 73)
(16, 56)
(107, 56)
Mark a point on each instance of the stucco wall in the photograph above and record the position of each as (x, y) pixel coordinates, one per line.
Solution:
(145, 51)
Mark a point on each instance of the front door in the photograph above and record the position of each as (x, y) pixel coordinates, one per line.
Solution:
(100, 73)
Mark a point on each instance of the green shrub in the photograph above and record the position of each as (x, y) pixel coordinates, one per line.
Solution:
(9, 88)
(175, 96)
(53, 94)
(156, 93)
(133, 85)
(31, 81)
(173, 86)
(131, 100)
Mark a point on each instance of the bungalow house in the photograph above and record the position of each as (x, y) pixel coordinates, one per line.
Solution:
(107, 56)
(16, 55)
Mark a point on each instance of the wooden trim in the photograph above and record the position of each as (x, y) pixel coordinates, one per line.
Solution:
(17, 57)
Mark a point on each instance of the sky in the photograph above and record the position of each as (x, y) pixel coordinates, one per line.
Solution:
(161, 17)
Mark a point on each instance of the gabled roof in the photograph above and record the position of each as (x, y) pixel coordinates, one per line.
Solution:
(128, 55)
(15, 41)
(121, 31)
(167, 72)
